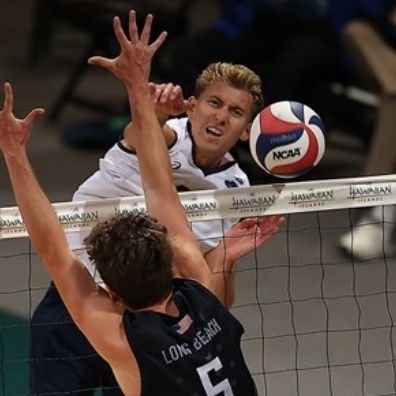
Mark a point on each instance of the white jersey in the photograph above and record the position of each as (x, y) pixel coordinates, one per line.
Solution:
(119, 176)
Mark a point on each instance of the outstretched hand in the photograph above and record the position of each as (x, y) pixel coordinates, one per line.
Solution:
(249, 234)
(15, 132)
(134, 60)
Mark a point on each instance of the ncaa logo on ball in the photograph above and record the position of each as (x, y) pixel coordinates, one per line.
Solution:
(287, 139)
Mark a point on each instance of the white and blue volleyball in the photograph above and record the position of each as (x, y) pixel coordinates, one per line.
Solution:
(287, 139)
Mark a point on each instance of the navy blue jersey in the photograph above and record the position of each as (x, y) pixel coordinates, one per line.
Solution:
(197, 353)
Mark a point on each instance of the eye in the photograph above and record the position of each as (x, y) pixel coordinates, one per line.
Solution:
(214, 102)
(237, 113)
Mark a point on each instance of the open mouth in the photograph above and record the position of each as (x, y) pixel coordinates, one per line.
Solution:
(214, 131)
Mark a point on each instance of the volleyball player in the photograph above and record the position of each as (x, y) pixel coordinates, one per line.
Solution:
(226, 99)
(161, 336)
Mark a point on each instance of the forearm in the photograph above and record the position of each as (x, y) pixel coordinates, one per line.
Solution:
(40, 218)
(218, 261)
(222, 274)
(151, 150)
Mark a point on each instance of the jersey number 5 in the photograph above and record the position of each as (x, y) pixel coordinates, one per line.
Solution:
(221, 389)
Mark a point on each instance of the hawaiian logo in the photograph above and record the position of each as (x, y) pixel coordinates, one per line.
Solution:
(253, 202)
(11, 223)
(83, 217)
(311, 198)
(368, 192)
(134, 210)
(199, 207)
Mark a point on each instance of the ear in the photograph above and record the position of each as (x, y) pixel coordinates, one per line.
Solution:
(246, 133)
(113, 297)
(191, 105)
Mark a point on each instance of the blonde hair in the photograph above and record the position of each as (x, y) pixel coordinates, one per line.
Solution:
(237, 76)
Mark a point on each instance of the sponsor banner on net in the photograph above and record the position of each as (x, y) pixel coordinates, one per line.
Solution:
(306, 197)
(373, 193)
(315, 198)
(228, 203)
(79, 220)
(320, 195)
(254, 203)
(134, 207)
(200, 208)
(11, 223)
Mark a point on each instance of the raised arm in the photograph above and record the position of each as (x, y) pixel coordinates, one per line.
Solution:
(132, 67)
(77, 288)
(40, 219)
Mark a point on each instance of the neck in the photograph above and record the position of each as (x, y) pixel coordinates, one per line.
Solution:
(206, 161)
(166, 306)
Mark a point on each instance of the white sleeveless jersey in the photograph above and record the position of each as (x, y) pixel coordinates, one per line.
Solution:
(119, 176)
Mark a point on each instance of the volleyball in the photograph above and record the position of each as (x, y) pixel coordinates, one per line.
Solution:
(287, 139)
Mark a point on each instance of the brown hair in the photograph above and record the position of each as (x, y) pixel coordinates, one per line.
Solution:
(236, 75)
(133, 255)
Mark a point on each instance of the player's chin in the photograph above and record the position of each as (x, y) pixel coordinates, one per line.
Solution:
(210, 146)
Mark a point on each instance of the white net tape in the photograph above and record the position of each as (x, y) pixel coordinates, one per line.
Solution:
(229, 203)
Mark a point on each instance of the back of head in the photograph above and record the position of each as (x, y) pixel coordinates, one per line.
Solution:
(236, 75)
(133, 255)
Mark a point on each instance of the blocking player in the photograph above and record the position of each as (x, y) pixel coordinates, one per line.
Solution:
(135, 330)
(226, 99)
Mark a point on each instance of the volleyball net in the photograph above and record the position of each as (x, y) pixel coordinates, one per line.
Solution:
(317, 322)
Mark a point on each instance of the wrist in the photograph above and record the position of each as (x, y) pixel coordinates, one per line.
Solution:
(161, 116)
(17, 153)
(136, 90)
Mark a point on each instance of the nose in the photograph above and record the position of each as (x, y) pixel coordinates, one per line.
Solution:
(221, 114)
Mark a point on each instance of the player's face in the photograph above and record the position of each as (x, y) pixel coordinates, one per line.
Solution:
(219, 117)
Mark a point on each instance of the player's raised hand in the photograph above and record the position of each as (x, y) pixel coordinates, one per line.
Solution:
(134, 60)
(15, 132)
(249, 234)
(168, 99)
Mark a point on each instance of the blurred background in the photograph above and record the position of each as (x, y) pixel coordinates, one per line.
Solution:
(295, 46)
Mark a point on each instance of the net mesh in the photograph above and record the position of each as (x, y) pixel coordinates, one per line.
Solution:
(317, 321)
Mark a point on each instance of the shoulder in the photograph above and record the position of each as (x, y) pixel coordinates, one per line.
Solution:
(228, 175)
(178, 126)
(195, 290)
(120, 150)
(205, 303)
